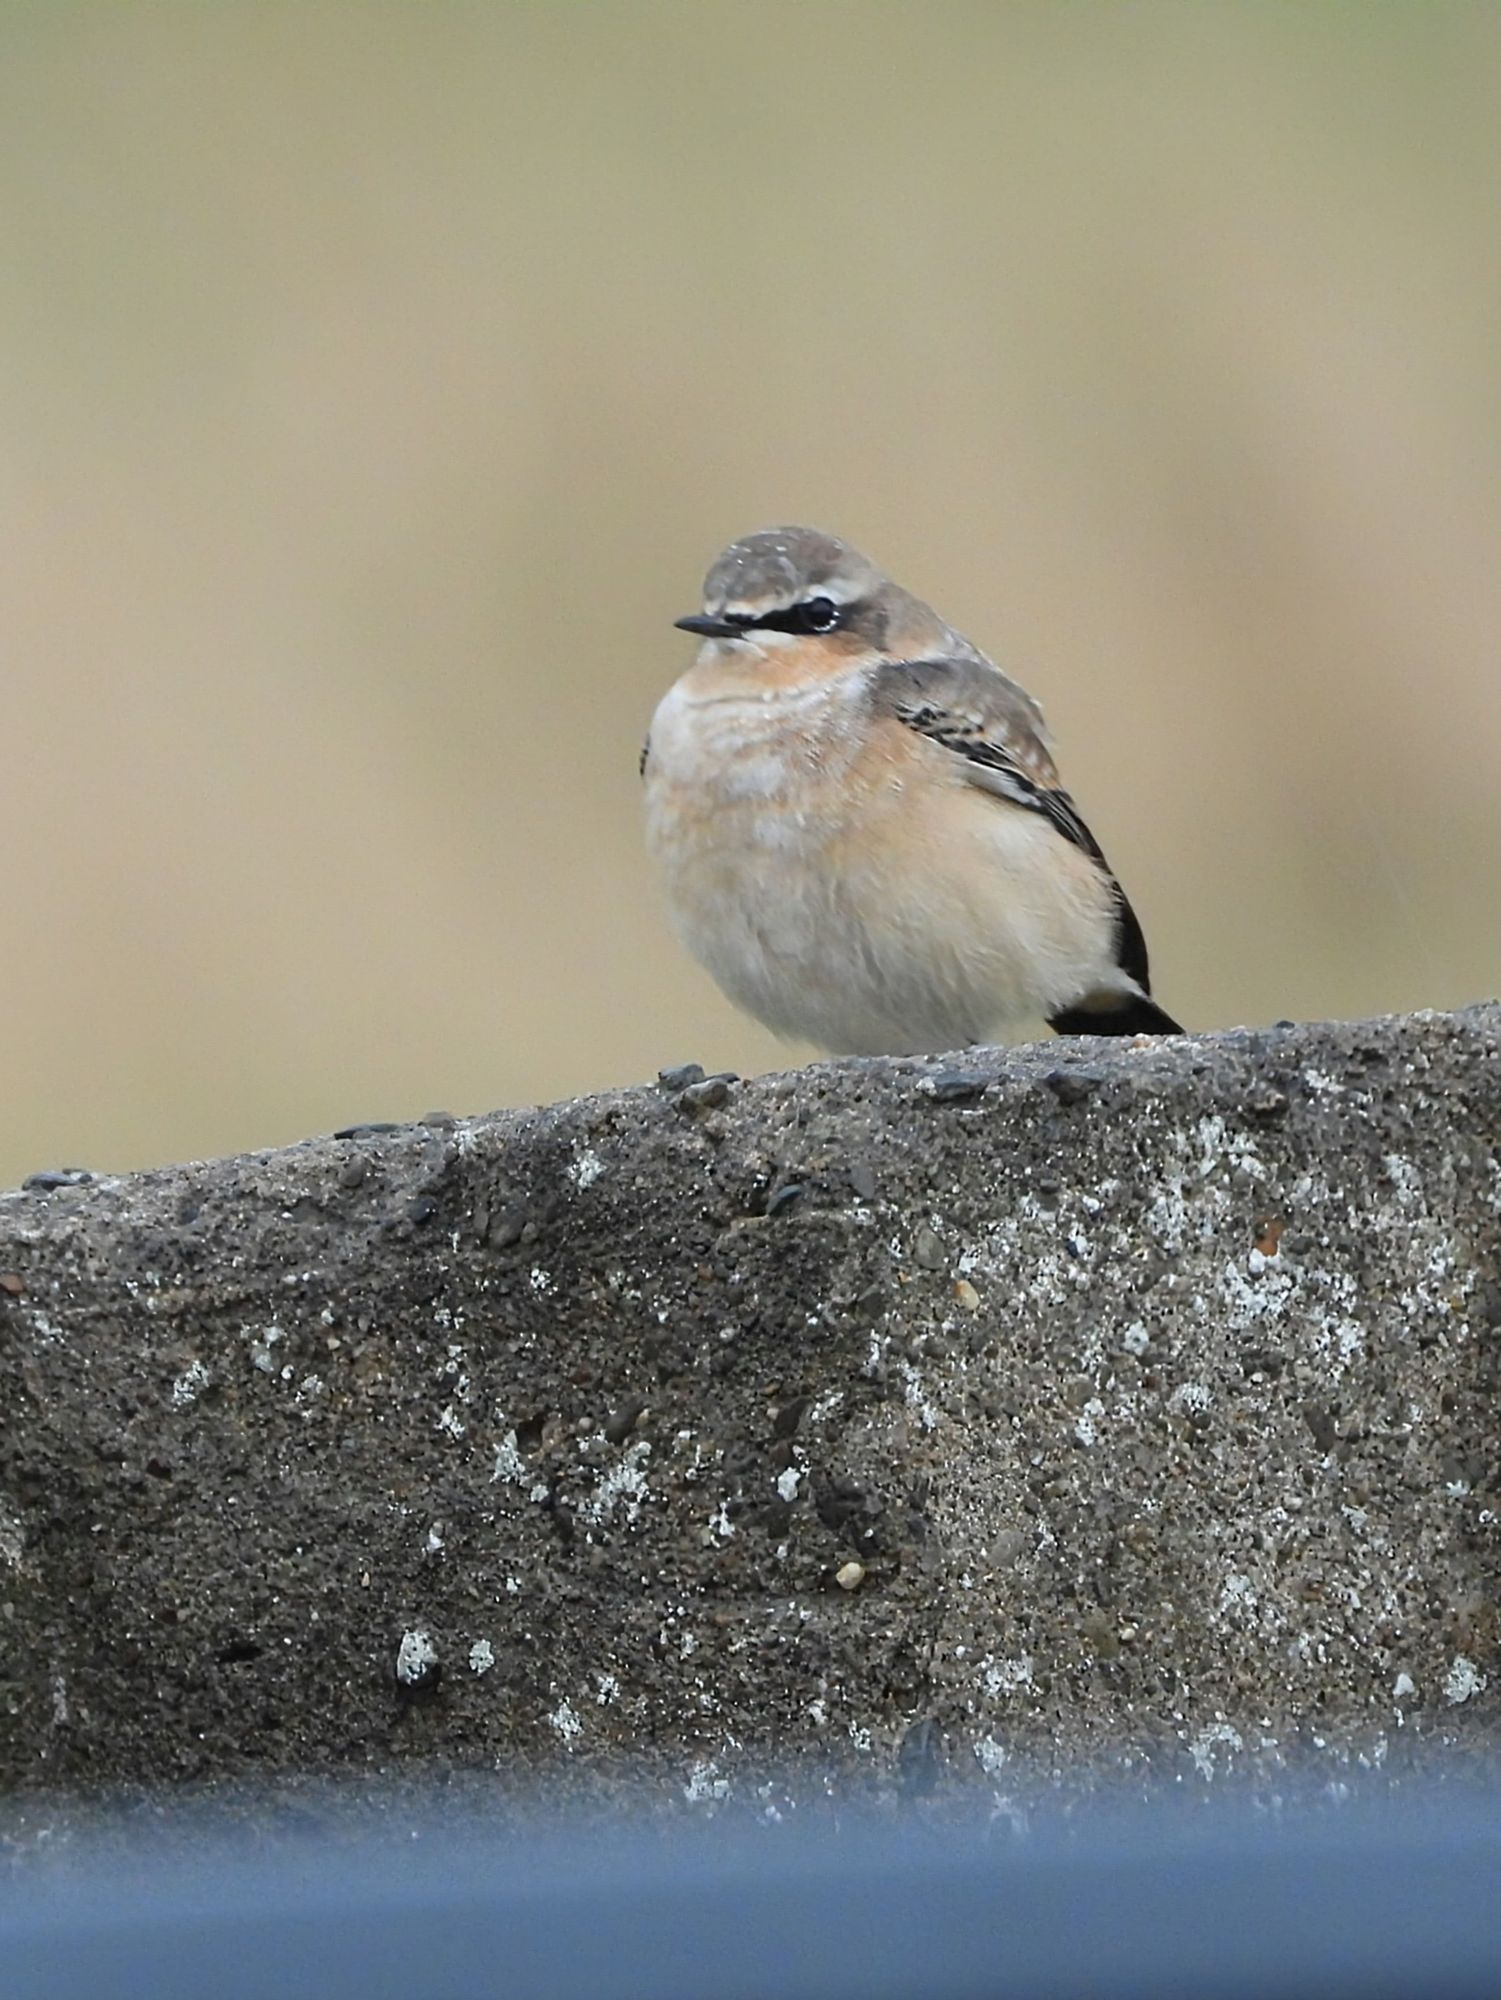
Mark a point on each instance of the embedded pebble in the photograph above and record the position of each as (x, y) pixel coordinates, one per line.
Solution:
(1072, 1086)
(50, 1179)
(927, 1250)
(681, 1077)
(954, 1086)
(712, 1094)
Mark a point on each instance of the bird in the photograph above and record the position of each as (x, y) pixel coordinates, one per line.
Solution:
(860, 827)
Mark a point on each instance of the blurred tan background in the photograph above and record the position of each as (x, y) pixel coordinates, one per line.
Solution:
(376, 384)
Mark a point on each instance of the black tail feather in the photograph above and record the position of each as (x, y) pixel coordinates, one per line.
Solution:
(1133, 1015)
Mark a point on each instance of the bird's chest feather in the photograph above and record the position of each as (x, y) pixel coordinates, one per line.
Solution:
(747, 804)
(728, 780)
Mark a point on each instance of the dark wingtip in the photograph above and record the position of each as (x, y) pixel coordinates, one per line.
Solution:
(1136, 1015)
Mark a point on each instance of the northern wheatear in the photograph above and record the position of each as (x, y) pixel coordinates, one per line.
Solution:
(860, 826)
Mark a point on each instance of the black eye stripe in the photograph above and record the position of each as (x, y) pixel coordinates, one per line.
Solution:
(813, 614)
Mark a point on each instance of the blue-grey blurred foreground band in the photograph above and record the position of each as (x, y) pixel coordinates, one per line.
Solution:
(1217, 1903)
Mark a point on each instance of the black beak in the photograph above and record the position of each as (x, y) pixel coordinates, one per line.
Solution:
(710, 628)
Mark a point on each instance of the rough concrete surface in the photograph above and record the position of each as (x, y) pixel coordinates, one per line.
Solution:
(1079, 1410)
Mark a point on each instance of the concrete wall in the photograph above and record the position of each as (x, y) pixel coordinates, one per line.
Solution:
(1083, 1410)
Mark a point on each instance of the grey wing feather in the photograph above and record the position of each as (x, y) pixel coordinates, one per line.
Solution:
(969, 707)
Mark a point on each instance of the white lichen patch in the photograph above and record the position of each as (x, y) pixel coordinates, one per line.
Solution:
(12, 1539)
(1190, 1398)
(705, 1785)
(510, 1466)
(990, 1756)
(1216, 1741)
(1464, 1680)
(454, 1368)
(1221, 1149)
(1307, 1298)
(1008, 1676)
(310, 1391)
(511, 1470)
(1200, 1178)
(1087, 1423)
(481, 1657)
(1202, 1201)
(263, 1342)
(622, 1486)
(564, 1719)
(1321, 1085)
(1238, 1596)
(190, 1385)
(585, 1168)
(1406, 1182)
(918, 1399)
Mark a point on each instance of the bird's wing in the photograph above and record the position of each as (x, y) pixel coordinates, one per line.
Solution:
(970, 708)
(994, 729)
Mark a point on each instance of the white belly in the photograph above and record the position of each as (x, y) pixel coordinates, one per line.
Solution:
(845, 905)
